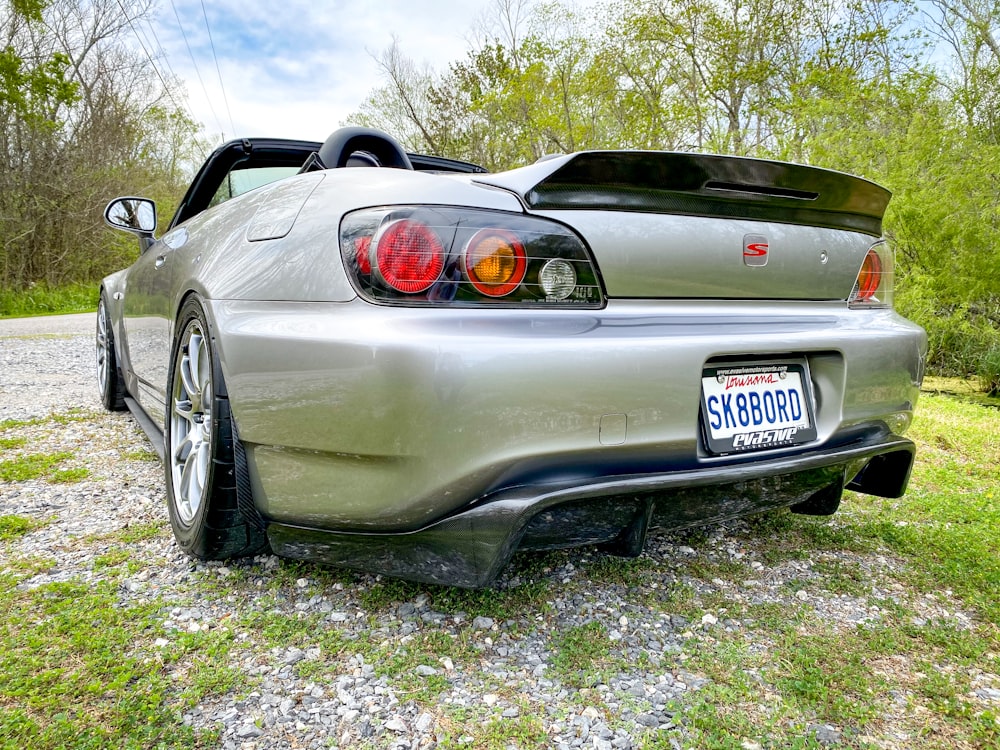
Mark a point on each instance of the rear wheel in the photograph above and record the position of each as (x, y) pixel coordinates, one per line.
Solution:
(109, 375)
(201, 466)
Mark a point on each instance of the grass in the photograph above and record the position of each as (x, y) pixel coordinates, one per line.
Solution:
(14, 527)
(948, 523)
(16, 465)
(44, 300)
(71, 675)
(582, 655)
(41, 466)
(84, 666)
(904, 674)
(498, 603)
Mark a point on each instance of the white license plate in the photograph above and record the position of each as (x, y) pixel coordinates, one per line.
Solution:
(756, 407)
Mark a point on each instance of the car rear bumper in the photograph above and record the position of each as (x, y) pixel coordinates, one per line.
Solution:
(359, 418)
(469, 548)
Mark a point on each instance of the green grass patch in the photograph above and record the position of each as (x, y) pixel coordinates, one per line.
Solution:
(14, 527)
(59, 418)
(71, 674)
(948, 523)
(30, 565)
(43, 300)
(279, 630)
(625, 571)
(13, 424)
(141, 454)
(74, 415)
(425, 649)
(68, 476)
(582, 655)
(519, 732)
(830, 676)
(138, 532)
(10, 443)
(32, 466)
(842, 578)
(498, 603)
(112, 558)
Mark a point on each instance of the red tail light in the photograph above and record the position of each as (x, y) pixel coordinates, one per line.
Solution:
(446, 256)
(869, 277)
(409, 256)
(874, 284)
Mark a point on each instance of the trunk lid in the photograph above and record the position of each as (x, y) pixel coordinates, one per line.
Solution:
(672, 225)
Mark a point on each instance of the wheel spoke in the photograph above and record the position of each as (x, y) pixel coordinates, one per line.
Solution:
(102, 346)
(202, 368)
(191, 423)
(191, 485)
(184, 448)
(188, 382)
(184, 410)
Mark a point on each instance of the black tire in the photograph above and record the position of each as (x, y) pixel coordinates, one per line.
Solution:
(109, 374)
(200, 465)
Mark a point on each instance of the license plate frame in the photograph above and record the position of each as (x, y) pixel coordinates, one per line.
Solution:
(734, 421)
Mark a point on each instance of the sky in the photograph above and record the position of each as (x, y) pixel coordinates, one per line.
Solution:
(298, 68)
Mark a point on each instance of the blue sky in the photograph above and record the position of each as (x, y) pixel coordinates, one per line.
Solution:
(295, 68)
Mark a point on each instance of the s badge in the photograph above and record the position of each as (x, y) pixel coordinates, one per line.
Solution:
(755, 250)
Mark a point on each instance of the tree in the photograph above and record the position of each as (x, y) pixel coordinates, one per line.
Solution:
(904, 93)
(82, 118)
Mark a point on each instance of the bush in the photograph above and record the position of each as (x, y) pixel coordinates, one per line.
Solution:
(39, 299)
(989, 372)
(963, 339)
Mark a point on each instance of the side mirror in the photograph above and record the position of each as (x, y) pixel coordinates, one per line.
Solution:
(136, 215)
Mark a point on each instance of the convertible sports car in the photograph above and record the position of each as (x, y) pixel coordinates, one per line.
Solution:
(416, 368)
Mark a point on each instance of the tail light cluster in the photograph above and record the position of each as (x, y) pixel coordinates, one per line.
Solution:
(874, 285)
(439, 255)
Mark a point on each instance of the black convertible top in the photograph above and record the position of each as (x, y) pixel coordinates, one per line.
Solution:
(247, 153)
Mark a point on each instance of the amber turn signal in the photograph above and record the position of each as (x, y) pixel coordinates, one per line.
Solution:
(495, 262)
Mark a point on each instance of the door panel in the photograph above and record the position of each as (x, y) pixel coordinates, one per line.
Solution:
(147, 324)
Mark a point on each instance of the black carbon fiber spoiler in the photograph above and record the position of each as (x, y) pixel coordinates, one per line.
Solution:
(699, 185)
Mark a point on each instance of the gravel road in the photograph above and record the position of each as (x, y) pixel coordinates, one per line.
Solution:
(509, 658)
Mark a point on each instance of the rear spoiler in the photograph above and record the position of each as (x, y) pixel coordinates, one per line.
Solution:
(699, 185)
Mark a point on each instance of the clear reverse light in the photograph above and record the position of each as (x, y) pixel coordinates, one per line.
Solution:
(557, 279)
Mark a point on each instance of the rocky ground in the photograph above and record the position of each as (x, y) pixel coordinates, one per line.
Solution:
(569, 650)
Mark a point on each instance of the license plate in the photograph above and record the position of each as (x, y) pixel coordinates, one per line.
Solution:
(756, 407)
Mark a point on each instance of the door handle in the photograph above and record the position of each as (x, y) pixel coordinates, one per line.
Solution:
(160, 260)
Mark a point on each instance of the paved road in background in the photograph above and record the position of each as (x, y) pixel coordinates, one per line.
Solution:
(47, 365)
(49, 324)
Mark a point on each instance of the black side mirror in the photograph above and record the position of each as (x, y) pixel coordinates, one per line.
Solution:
(136, 215)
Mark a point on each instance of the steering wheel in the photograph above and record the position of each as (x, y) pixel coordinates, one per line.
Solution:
(338, 148)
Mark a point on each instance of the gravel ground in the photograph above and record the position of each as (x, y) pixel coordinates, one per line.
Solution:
(311, 695)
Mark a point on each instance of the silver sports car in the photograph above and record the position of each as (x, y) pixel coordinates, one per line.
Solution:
(402, 364)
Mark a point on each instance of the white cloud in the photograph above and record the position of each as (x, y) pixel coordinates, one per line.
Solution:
(297, 69)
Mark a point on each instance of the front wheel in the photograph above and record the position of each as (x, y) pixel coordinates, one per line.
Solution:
(200, 462)
(109, 374)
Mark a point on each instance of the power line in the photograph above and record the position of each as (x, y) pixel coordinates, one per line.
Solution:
(197, 70)
(161, 54)
(217, 68)
(166, 89)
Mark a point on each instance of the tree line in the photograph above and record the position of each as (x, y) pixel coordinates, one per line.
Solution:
(84, 116)
(904, 93)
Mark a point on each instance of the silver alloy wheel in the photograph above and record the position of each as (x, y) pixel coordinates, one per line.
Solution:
(103, 346)
(191, 423)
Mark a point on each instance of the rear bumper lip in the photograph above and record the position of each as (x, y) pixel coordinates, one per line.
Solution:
(470, 547)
